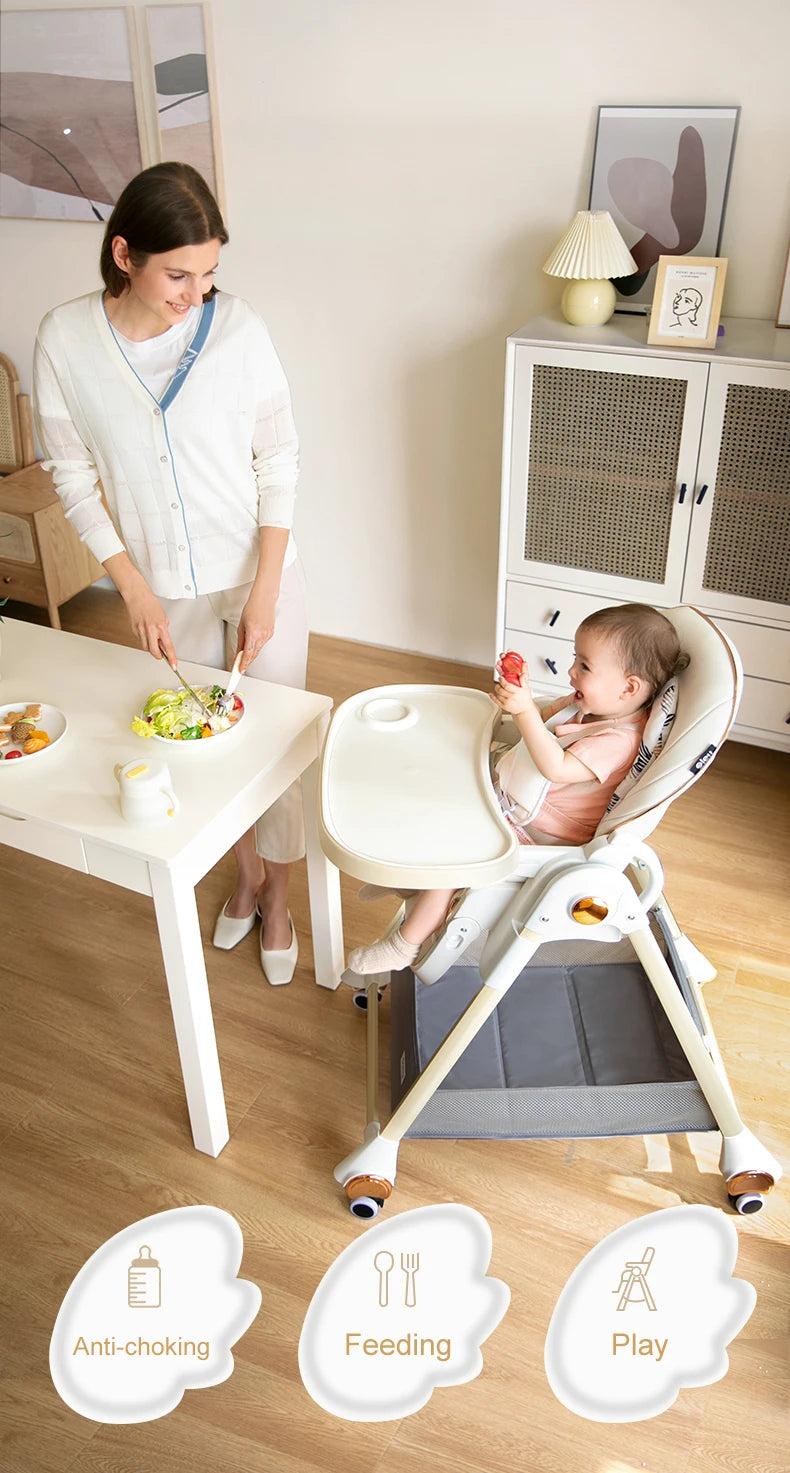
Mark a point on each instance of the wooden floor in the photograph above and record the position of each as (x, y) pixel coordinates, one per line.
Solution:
(93, 1135)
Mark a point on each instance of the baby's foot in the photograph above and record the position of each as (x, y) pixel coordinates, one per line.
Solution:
(388, 954)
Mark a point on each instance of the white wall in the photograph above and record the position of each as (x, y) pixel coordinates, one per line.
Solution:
(396, 172)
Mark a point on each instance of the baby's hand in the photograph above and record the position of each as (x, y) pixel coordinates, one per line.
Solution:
(511, 692)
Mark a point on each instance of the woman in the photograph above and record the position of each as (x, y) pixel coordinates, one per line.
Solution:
(171, 395)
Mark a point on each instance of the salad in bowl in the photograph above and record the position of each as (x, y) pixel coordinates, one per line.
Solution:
(173, 716)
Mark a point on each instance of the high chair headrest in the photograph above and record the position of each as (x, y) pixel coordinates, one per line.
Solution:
(677, 748)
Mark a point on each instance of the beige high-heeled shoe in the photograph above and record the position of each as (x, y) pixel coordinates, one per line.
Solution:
(279, 966)
(229, 931)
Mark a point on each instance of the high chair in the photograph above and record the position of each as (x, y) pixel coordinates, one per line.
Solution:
(407, 802)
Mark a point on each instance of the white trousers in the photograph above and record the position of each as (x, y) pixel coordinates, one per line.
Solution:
(204, 629)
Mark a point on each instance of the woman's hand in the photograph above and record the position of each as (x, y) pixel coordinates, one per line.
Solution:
(256, 625)
(149, 622)
(146, 615)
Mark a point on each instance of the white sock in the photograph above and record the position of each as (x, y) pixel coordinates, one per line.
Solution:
(388, 954)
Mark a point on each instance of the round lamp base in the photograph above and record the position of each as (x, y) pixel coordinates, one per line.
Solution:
(588, 303)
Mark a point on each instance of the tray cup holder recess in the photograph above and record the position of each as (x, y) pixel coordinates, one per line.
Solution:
(388, 714)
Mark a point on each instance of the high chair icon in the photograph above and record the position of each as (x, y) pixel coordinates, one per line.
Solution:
(632, 1287)
(407, 801)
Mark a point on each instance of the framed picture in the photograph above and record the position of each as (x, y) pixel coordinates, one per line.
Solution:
(687, 301)
(783, 310)
(181, 77)
(70, 112)
(663, 174)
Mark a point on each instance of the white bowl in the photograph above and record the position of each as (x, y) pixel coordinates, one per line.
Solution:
(51, 720)
(175, 742)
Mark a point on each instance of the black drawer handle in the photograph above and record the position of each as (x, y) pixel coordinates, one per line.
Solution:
(787, 720)
(552, 666)
(555, 616)
(682, 496)
(701, 496)
(6, 580)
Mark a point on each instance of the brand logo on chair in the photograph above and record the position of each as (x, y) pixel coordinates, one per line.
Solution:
(702, 760)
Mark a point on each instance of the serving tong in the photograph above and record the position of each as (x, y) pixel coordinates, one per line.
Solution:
(225, 701)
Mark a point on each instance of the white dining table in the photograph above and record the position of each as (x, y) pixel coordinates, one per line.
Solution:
(63, 805)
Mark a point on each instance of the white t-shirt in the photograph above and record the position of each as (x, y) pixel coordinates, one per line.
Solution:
(156, 359)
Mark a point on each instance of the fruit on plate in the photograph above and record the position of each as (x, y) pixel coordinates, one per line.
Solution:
(35, 742)
(511, 665)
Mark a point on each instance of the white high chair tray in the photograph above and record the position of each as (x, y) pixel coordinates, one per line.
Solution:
(435, 821)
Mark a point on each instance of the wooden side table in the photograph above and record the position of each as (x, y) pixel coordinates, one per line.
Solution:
(42, 561)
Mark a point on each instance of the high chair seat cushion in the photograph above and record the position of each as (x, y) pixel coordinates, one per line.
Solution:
(708, 695)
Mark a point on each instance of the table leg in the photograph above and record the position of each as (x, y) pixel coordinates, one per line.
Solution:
(185, 969)
(323, 881)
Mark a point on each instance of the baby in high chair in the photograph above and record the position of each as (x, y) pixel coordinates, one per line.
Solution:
(623, 656)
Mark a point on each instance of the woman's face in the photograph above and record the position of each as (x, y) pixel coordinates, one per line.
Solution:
(170, 283)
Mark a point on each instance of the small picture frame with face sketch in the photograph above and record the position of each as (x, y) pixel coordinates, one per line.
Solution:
(687, 301)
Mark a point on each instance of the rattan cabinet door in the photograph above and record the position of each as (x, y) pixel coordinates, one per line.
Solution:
(739, 547)
(603, 459)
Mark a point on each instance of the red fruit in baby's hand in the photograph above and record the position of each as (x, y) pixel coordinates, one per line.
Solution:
(512, 666)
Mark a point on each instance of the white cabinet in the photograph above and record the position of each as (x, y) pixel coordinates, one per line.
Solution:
(657, 475)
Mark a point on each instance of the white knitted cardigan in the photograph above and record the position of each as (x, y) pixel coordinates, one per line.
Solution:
(185, 488)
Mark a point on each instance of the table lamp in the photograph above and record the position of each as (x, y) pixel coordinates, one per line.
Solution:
(591, 250)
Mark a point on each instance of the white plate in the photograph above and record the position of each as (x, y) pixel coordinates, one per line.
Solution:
(51, 720)
(197, 741)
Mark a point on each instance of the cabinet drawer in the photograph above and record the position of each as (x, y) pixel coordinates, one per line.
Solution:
(765, 705)
(43, 839)
(765, 652)
(23, 582)
(537, 650)
(533, 608)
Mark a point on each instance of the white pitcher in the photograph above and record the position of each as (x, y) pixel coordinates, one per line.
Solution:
(146, 791)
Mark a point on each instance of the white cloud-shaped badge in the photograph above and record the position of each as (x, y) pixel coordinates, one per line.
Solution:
(648, 1311)
(152, 1313)
(401, 1311)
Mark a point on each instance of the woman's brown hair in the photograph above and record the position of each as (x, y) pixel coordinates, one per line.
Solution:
(161, 209)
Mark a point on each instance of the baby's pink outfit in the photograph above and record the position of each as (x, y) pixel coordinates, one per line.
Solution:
(571, 812)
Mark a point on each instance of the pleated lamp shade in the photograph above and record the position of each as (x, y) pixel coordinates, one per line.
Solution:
(591, 251)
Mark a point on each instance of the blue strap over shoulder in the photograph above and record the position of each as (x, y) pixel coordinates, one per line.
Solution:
(198, 341)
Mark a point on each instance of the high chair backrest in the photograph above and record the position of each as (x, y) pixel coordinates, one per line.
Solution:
(708, 694)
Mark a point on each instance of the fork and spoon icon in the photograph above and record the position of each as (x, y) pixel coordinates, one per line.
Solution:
(384, 1262)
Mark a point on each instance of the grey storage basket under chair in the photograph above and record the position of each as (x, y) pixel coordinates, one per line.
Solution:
(578, 1047)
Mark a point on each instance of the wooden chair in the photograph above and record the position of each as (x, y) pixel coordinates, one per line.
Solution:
(42, 561)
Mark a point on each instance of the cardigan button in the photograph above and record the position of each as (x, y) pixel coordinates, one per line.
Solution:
(163, 459)
(157, 411)
(188, 587)
(174, 505)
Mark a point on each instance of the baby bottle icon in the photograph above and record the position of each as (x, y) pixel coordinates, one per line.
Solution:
(144, 1281)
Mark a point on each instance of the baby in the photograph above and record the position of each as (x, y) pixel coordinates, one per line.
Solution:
(623, 657)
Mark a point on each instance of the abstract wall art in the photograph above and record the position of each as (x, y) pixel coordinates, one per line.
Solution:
(181, 68)
(69, 134)
(663, 174)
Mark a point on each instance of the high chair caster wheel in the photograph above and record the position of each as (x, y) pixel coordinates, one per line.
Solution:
(748, 1202)
(360, 998)
(747, 1190)
(365, 1207)
(367, 1195)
